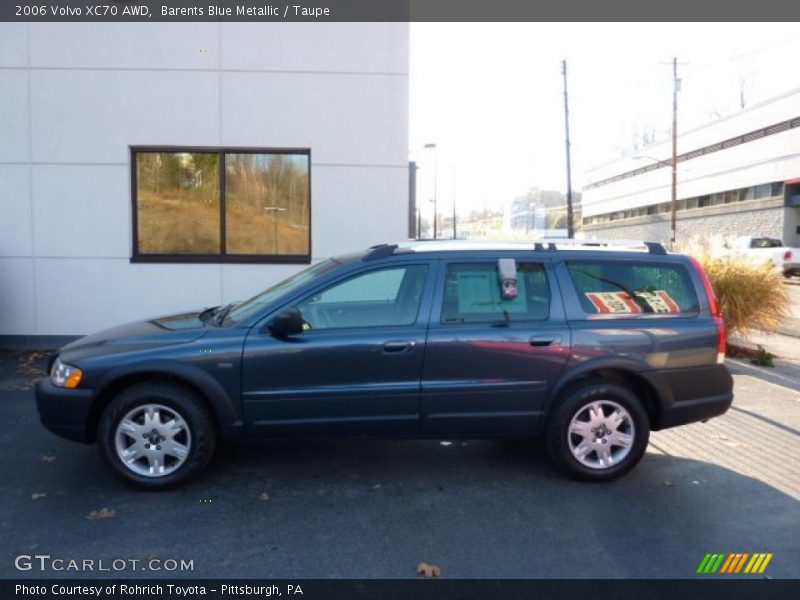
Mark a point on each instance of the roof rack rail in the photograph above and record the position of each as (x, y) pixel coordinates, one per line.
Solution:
(553, 243)
(379, 251)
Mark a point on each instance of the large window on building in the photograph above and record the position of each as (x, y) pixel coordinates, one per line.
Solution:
(218, 205)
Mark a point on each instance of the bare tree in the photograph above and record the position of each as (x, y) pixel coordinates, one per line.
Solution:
(744, 91)
(642, 136)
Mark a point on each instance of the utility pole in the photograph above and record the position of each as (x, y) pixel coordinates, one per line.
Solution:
(570, 223)
(674, 203)
(413, 208)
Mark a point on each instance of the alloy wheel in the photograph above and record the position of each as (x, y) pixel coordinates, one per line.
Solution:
(601, 434)
(152, 440)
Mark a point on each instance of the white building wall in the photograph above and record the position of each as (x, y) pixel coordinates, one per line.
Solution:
(74, 97)
(773, 158)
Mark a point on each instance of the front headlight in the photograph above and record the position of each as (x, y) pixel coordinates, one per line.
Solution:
(66, 376)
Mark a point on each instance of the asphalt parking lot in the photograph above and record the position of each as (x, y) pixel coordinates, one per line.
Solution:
(378, 508)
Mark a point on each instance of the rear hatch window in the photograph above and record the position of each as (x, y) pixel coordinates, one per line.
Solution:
(633, 287)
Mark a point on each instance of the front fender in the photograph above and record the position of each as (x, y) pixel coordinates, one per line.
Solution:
(226, 411)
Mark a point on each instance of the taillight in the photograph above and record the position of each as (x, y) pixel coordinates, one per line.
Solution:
(714, 307)
(787, 255)
(722, 339)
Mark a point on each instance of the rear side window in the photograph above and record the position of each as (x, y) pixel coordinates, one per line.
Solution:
(472, 294)
(631, 287)
(765, 243)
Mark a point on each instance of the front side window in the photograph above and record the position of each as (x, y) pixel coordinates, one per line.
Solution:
(628, 287)
(472, 294)
(221, 205)
(380, 298)
(257, 303)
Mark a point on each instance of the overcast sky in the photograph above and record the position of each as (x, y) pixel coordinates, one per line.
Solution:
(491, 95)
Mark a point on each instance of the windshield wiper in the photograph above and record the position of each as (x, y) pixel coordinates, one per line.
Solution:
(219, 317)
(641, 302)
(206, 313)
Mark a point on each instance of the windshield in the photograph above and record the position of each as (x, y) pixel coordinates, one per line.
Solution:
(250, 307)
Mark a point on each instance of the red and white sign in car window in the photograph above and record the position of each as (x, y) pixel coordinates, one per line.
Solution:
(621, 303)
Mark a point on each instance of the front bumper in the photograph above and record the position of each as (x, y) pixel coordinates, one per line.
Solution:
(65, 412)
(693, 394)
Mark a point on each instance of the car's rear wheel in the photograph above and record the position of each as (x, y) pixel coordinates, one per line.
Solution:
(598, 432)
(157, 435)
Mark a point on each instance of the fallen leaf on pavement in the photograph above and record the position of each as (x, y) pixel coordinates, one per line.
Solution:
(37, 495)
(264, 497)
(101, 515)
(429, 570)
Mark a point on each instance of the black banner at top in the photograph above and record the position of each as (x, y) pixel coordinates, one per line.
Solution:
(419, 589)
(395, 10)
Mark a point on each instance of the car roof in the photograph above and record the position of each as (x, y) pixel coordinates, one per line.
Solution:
(537, 245)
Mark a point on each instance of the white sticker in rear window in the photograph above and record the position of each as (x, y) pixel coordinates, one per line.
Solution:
(633, 287)
(658, 301)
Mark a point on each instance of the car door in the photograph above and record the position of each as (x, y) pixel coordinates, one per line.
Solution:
(490, 362)
(356, 367)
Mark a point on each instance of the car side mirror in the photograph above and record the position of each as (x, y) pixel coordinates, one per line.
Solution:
(287, 323)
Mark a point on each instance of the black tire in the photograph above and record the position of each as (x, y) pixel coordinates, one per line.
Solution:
(175, 397)
(575, 400)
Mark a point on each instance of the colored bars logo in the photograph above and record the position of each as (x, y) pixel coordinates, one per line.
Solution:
(736, 562)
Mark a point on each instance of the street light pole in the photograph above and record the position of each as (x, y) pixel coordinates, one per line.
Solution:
(453, 174)
(674, 203)
(275, 210)
(435, 176)
(570, 222)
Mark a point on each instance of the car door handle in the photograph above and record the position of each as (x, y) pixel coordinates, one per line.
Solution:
(544, 340)
(397, 347)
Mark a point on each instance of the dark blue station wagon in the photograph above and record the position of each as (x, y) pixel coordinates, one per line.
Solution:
(589, 344)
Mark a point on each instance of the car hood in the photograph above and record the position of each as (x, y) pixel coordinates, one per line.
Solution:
(138, 335)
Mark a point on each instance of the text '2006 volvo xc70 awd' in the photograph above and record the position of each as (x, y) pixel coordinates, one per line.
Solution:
(589, 344)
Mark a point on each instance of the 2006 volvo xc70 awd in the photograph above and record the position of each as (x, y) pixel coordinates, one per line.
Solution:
(591, 345)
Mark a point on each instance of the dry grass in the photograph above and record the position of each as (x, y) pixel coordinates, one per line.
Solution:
(181, 224)
(751, 296)
(251, 233)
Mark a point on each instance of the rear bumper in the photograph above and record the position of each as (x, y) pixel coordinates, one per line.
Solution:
(65, 412)
(693, 394)
(791, 269)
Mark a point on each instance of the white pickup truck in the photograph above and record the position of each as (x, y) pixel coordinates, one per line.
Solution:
(761, 249)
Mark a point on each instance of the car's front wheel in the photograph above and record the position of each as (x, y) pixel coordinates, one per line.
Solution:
(599, 431)
(157, 435)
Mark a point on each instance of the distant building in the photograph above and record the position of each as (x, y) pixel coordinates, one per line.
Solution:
(481, 225)
(540, 213)
(739, 175)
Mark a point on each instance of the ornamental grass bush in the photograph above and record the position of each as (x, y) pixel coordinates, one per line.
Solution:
(751, 296)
